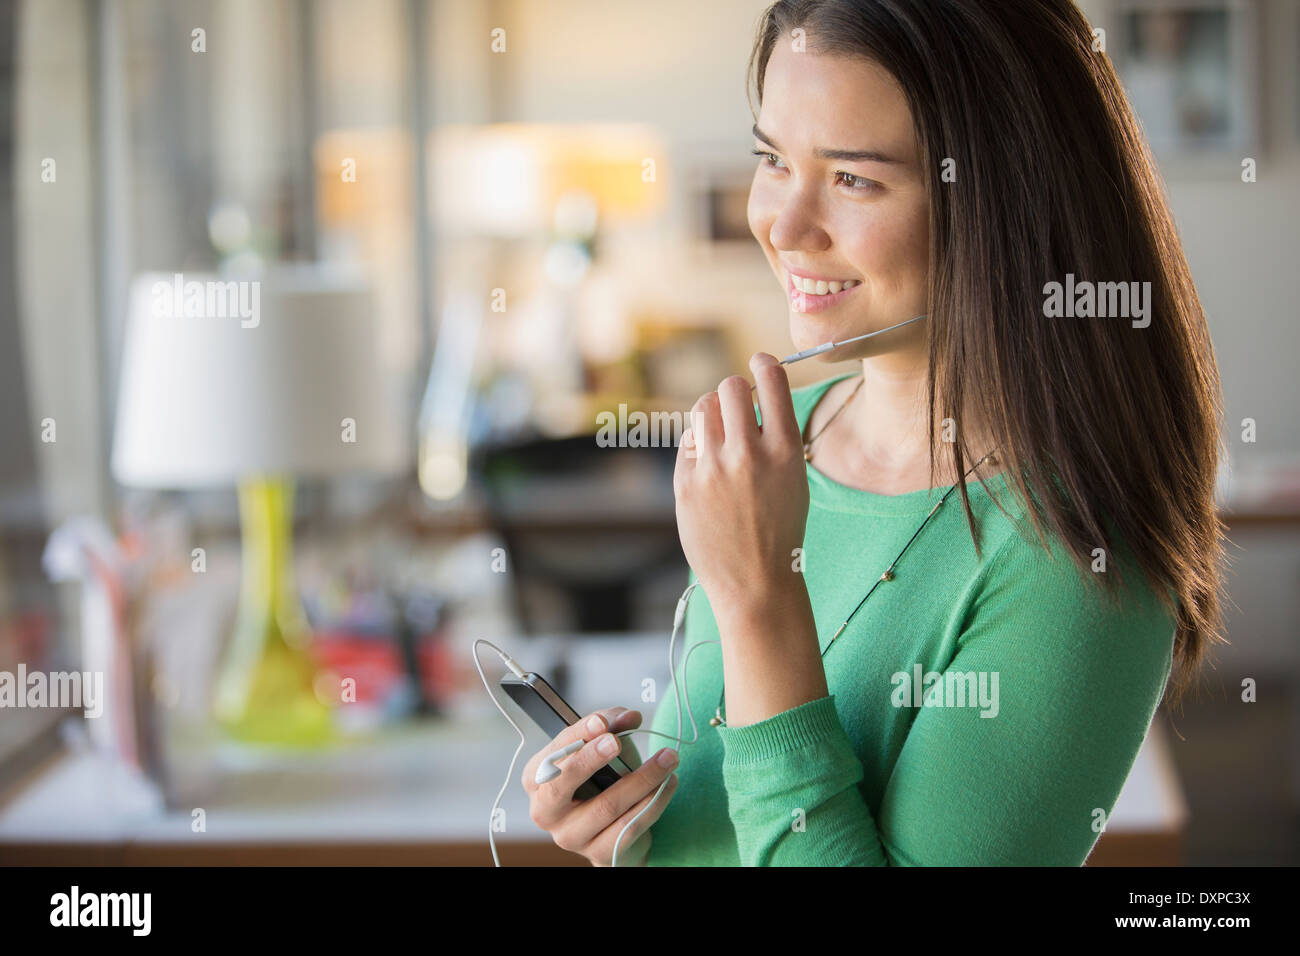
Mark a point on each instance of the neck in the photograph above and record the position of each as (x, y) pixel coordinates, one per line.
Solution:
(889, 418)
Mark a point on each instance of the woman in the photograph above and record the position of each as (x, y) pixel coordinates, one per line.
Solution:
(967, 160)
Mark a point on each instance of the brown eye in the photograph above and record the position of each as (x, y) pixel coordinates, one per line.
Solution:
(858, 183)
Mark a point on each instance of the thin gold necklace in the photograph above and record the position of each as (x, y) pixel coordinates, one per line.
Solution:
(807, 446)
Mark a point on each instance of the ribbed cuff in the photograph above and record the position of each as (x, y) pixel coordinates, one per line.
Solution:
(791, 730)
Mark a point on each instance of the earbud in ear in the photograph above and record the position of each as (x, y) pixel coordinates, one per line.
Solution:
(546, 770)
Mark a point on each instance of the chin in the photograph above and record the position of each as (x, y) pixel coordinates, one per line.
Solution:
(809, 330)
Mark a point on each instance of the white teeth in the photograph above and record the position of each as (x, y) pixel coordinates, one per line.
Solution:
(820, 287)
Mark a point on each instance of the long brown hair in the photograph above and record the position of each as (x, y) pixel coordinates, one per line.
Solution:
(1108, 432)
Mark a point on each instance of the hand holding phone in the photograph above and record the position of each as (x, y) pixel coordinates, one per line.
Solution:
(590, 827)
(553, 715)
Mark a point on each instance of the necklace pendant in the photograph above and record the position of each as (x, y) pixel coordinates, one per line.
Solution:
(887, 576)
(807, 453)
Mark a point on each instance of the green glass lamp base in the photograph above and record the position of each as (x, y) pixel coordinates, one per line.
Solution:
(266, 692)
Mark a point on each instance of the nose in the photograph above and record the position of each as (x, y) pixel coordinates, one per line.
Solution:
(797, 226)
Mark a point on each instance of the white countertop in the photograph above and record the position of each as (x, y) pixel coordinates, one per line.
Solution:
(432, 784)
(428, 781)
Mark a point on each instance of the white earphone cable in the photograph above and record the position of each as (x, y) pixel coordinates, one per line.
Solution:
(492, 817)
(681, 695)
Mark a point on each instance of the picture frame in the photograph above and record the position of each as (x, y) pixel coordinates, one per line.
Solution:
(1192, 72)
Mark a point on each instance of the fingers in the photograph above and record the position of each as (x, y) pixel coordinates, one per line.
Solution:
(628, 720)
(738, 421)
(636, 842)
(620, 718)
(584, 729)
(590, 820)
(684, 466)
(703, 436)
(727, 415)
(774, 399)
(707, 426)
(551, 802)
(634, 855)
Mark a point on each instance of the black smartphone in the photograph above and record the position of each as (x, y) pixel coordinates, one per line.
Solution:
(549, 711)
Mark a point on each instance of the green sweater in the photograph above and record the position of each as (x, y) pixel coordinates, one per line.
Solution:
(1026, 772)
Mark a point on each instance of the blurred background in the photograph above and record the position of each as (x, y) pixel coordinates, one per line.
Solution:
(480, 252)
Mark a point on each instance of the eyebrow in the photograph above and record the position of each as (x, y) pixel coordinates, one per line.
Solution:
(845, 155)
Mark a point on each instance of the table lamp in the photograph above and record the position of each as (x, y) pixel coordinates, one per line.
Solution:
(255, 382)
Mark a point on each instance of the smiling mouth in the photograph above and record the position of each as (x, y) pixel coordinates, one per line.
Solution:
(825, 294)
(821, 286)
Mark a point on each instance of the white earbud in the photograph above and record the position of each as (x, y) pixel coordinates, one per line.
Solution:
(546, 770)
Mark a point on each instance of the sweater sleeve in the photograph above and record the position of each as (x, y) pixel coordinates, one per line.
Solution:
(1028, 780)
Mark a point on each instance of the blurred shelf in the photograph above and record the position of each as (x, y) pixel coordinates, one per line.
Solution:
(1262, 518)
(556, 520)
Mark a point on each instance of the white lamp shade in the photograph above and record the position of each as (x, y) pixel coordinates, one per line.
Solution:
(234, 378)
